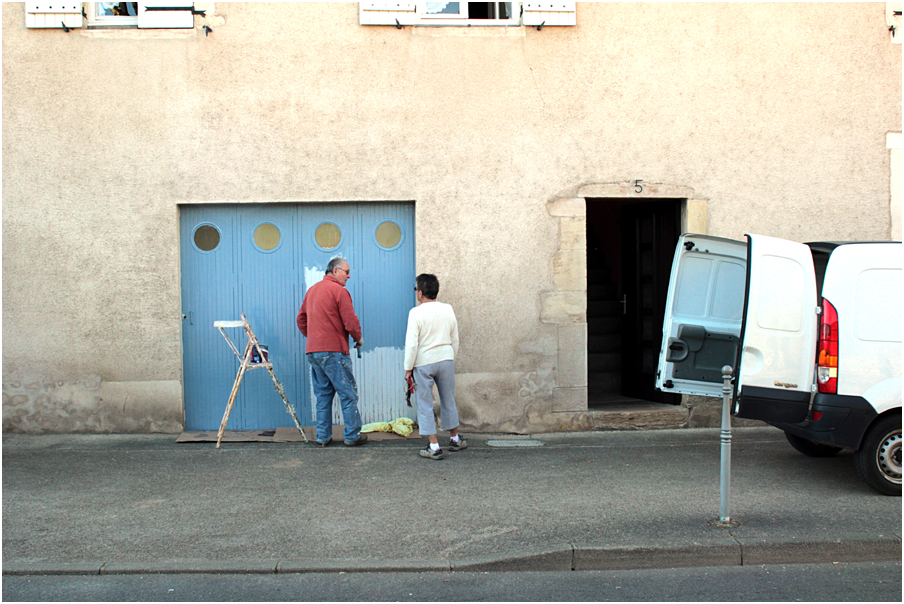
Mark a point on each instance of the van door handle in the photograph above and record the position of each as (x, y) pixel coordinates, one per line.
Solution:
(678, 350)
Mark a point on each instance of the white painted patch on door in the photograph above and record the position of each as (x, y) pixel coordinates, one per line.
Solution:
(380, 375)
(312, 276)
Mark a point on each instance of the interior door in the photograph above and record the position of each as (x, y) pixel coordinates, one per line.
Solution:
(649, 232)
(777, 365)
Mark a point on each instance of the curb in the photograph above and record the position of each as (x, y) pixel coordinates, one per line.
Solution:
(565, 557)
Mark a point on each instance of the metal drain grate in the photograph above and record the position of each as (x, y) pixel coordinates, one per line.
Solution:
(515, 443)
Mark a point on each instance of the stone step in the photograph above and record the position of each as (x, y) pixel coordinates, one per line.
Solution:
(640, 415)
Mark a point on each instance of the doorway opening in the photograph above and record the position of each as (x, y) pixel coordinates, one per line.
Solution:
(630, 245)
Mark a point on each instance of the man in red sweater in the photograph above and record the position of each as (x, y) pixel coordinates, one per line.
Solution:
(327, 318)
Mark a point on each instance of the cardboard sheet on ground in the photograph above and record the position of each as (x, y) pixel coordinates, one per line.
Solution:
(292, 435)
(279, 435)
(231, 436)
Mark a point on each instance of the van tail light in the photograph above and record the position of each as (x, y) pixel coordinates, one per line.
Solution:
(827, 350)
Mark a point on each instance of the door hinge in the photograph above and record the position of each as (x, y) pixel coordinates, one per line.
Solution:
(668, 384)
(174, 8)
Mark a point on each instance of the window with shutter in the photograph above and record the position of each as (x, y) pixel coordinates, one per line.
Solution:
(472, 13)
(112, 13)
(160, 14)
(467, 13)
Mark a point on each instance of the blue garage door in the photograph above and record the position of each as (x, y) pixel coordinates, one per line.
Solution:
(260, 260)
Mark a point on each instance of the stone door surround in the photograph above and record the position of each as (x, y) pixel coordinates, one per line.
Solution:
(566, 305)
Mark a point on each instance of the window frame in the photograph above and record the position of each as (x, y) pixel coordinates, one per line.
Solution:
(194, 233)
(462, 13)
(528, 14)
(428, 20)
(93, 20)
(172, 15)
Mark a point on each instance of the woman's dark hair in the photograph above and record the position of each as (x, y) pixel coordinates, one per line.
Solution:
(428, 285)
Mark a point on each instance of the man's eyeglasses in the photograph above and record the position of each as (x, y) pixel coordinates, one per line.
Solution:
(345, 270)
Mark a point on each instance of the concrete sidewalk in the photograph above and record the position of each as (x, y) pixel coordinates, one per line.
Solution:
(89, 504)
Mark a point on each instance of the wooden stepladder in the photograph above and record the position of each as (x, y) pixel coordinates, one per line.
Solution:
(248, 364)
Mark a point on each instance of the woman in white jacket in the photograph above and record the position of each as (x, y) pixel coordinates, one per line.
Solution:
(431, 344)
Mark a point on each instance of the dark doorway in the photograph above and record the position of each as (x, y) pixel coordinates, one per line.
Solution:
(630, 245)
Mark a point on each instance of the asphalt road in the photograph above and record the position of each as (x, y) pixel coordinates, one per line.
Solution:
(858, 582)
(146, 501)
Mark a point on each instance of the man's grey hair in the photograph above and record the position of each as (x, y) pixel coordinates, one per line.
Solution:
(334, 264)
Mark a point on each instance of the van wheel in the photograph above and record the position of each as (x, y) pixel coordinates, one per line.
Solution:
(879, 459)
(810, 448)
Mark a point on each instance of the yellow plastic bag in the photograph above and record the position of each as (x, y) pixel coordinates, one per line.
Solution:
(402, 426)
(377, 427)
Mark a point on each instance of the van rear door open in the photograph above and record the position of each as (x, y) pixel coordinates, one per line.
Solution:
(778, 336)
(704, 308)
(712, 315)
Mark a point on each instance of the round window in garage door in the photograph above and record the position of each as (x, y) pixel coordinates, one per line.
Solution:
(206, 238)
(327, 236)
(267, 237)
(388, 235)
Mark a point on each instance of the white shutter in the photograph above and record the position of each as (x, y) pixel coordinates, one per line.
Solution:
(53, 14)
(387, 13)
(548, 13)
(151, 17)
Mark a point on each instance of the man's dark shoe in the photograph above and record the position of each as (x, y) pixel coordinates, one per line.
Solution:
(457, 446)
(323, 444)
(431, 454)
(362, 438)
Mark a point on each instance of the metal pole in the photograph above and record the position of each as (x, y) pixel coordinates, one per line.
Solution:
(725, 482)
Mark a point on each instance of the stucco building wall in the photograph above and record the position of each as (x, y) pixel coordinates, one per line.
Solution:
(767, 118)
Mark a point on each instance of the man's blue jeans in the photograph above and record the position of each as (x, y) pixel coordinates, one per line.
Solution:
(331, 374)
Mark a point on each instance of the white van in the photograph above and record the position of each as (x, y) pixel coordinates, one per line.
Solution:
(813, 332)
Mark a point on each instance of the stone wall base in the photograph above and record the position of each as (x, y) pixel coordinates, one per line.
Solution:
(93, 406)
